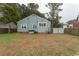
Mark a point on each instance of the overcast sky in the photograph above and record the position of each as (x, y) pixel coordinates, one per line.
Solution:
(70, 11)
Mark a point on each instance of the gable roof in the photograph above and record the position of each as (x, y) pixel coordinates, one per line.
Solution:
(33, 15)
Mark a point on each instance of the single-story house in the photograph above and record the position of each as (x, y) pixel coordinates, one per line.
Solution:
(10, 25)
(33, 23)
(6, 27)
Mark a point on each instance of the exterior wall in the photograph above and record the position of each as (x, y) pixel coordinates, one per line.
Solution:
(47, 23)
(76, 24)
(30, 21)
(70, 26)
(64, 26)
(19, 27)
(33, 20)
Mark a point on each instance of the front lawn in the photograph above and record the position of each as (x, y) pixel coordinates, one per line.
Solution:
(38, 44)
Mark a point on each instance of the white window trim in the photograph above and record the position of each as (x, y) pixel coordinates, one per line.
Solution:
(42, 22)
(23, 25)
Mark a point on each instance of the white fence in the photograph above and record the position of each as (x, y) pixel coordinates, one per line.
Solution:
(58, 30)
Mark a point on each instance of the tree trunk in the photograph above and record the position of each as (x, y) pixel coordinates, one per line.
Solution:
(9, 30)
(51, 26)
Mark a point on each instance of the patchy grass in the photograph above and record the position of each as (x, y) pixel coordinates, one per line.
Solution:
(39, 44)
(8, 36)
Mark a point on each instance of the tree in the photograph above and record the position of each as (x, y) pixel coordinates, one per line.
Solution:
(10, 12)
(25, 11)
(54, 14)
(34, 9)
(31, 8)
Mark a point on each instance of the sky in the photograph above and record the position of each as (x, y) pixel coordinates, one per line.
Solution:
(70, 11)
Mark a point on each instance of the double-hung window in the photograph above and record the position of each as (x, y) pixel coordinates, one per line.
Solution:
(24, 26)
(42, 24)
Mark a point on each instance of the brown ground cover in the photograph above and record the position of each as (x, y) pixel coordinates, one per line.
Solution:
(39, 45)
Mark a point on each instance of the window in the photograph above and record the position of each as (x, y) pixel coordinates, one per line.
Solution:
(34, 26)
(71, 26)
(42, 24)
(24, 26)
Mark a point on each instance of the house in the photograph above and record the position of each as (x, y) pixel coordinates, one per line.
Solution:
(10, 25)
(33, 23)
(6, 27)
(64, 25)
(3, 25)
(70, 23)
(74, 23)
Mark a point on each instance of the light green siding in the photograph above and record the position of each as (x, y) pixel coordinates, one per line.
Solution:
(30, 20)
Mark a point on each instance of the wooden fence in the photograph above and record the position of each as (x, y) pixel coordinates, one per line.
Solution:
(5, 30)
(71, 31)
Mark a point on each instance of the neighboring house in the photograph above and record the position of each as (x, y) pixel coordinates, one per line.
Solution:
(7, 27)
(73, 23)
(70, 23)
(76, 23)
(3, 25)
(33, 23)
(64, 25)
(10, 25)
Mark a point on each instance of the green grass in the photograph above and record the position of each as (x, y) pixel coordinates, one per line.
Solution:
(8, 36)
